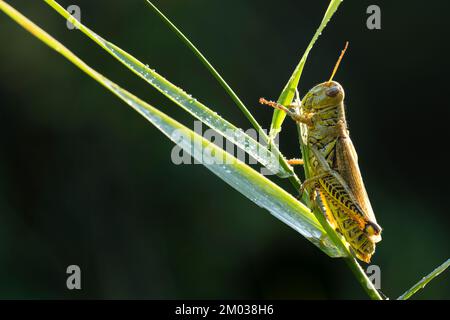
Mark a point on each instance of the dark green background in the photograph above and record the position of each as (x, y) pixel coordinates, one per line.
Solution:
(85, 180)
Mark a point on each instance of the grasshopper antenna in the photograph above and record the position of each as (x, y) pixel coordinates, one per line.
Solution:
(339, 61)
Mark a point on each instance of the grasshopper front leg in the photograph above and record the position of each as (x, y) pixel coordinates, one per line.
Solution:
(306, 119)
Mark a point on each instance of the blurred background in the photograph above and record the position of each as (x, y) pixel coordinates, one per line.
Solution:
(85, 180)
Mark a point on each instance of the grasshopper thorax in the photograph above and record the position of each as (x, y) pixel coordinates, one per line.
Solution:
(323, 95)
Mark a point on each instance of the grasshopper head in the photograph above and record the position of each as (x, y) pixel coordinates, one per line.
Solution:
(323, 95)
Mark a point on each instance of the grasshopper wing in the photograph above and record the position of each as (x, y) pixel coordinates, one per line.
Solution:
(347, 166)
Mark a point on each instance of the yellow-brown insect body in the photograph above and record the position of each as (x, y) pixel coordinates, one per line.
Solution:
(333, 167)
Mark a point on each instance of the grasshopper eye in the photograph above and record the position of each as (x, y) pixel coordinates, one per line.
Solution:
(332, 92)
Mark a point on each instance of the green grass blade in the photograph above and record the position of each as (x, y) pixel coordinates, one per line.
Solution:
(184, 100)
(424, 281)
(283, 162)
(288, 93)
(209, 66)
(240, 176)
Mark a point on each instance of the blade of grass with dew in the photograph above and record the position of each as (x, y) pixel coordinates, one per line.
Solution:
(237, 174)
(208, 65)
(288, 93)
(424, 281)
(184, 100)
(295, 181)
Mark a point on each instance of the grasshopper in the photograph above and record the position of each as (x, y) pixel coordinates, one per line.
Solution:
(334, 182)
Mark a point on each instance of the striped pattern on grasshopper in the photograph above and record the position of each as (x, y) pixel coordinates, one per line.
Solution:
(334, 182)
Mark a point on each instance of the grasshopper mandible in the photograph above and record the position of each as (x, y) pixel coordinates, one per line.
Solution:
(334, 182)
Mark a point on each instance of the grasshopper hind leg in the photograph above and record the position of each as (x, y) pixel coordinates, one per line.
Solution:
(322, 204)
